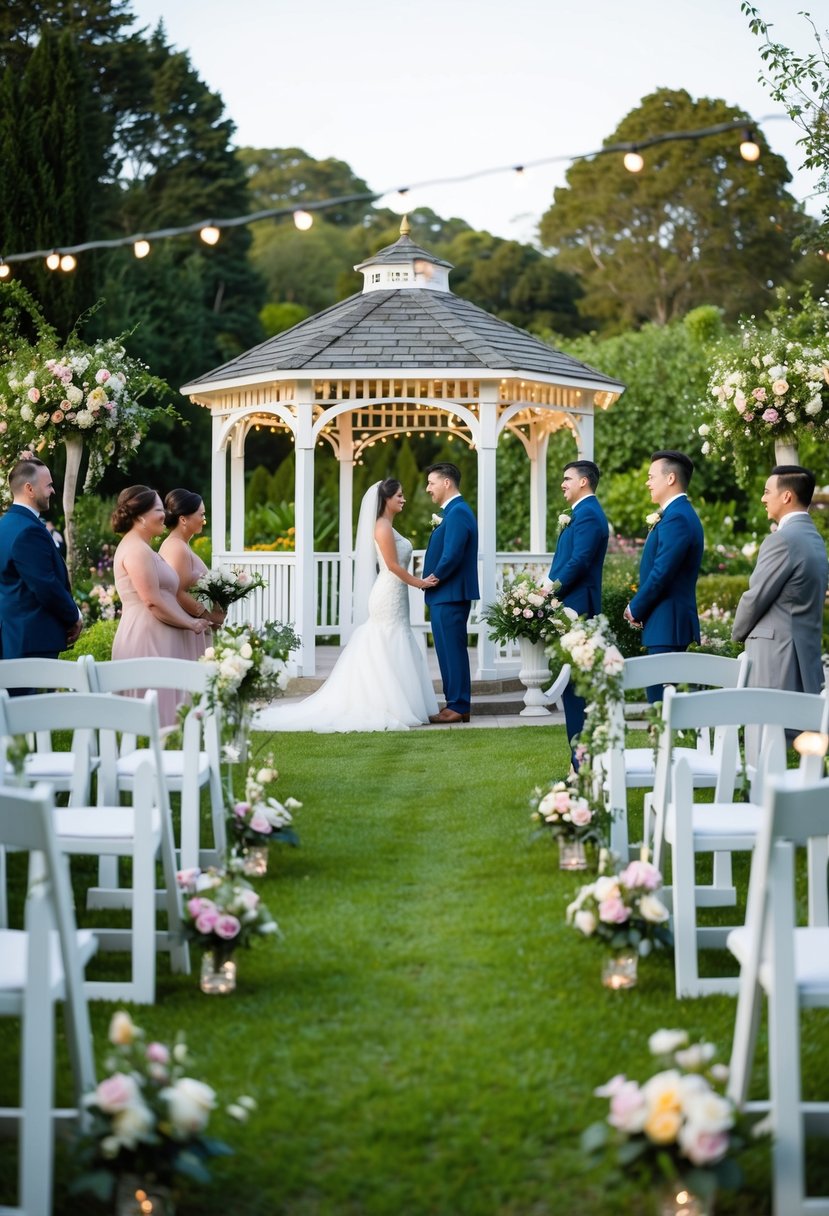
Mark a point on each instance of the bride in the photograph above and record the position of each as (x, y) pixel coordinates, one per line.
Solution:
(380, 681)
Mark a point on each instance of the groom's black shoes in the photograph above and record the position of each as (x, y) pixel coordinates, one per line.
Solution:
(447, 716)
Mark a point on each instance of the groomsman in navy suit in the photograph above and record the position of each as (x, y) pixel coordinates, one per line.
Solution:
(665, 606)
(452, 557)
(38, 616)
(576, 571)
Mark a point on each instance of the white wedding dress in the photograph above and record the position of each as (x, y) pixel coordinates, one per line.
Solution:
(380, 681)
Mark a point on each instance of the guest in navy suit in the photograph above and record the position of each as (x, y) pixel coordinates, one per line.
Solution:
(38, 616)
(576, 572)
(452, 557)
(665, 606)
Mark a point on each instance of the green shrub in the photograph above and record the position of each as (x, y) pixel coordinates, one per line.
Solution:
(724, 590)
(96, 640)
(618, 577)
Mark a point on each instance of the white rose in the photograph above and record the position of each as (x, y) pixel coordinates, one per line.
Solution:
(122, 1029)
(704, 429)
(606, 887)
(709, 1112)
(26, 413)
(246, 651)
(664, 1042)
(585, 921)
(696, 1056)
(535, 599)
(74, 394)
(653, 910)
(134, 1124)
(706, 448)
(189, 1104)
(814, 406)
(292, 804)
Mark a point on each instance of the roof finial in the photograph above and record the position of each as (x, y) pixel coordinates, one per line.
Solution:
(405, 226)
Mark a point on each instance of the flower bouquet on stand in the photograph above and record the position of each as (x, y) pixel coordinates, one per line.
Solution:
(624, 911)
(222, 912)
(146, 1123)
(528, 613)
(559, 811)
(676, 1132)
(257, 821)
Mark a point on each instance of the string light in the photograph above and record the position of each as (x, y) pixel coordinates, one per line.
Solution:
(68, 263)
(5, 270)
(303, 220)
(749, 147)
(633, 162)
(210, 230)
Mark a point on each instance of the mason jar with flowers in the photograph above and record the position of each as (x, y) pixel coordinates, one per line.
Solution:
(257, 821)
(221, 913)
(560, 812)
(624, 911)
(772, 390)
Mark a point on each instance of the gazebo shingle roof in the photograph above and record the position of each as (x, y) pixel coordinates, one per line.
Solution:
(405, 329)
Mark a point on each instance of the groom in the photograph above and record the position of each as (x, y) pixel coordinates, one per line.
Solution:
(452, 557)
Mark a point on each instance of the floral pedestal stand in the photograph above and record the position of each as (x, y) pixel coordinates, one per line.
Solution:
(218, 974)
(135, 1196)
(534, 674)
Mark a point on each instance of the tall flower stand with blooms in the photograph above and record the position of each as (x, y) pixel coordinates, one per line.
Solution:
(623, 911)
(146, 1124)
(677, 1133)
(773, 390)
(525, 613)
(83, 397)
(221, 913)
(256, 822)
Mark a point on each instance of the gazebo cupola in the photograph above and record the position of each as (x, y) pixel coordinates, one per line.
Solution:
(404, 356)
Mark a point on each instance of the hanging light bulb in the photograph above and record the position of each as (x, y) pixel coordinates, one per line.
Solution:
(53, 260)
(210, 234)
(68, 263)
(749, 148)
(141, 248)
(5, 270)
(303, 220)
(633, 162)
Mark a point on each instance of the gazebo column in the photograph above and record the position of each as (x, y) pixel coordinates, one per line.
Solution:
(218, 489)
(537, 451)
(305, 580)
(345, 456)
(237, 488)
(487, 446)
(584, 436)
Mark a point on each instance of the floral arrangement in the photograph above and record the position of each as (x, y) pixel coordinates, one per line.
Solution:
(524, 609)
(560, 811)
(678, 1125)
(226, 587)
(100, 603)
(249, 668)
(258, 820)
(148, 1117)
(623, 909)
(222, 911)
(773, 388)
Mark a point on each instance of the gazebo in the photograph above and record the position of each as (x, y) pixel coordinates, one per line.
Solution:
(405, 356)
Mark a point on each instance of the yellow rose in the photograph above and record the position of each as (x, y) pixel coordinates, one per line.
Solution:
(662, 1126)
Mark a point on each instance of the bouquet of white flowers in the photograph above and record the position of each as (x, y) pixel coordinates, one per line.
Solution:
(226, 587)
(525, 609)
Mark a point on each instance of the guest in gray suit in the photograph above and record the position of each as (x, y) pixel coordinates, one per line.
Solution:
(780, 617)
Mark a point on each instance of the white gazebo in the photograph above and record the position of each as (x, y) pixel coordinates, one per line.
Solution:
(403, 357)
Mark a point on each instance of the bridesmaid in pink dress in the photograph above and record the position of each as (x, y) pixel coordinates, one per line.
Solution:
(152, 622)
(185, 518)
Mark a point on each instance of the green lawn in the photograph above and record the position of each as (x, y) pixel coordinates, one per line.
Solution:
(425, 1039)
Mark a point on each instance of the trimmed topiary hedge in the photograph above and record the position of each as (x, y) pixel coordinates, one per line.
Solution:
(96, 640)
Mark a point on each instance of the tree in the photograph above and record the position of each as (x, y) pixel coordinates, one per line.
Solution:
(801, 84)
(289, 177)
(698, 225)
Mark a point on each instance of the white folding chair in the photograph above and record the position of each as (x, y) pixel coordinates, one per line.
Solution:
(790, 963)
(40, 965)
(721, 827)
(64, 770)
(140, 832)
(623, 768)
(187, 770)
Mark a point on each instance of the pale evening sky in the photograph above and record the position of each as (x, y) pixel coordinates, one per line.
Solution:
(416, 91)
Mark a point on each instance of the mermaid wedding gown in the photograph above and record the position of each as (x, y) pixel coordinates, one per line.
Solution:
(380, 681)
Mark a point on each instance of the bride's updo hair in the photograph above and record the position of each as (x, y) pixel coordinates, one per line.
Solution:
(178, 503)
(132, 502)
(386, 490)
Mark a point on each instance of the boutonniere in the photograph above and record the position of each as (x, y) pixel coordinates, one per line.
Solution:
(435, 521)
(653, 519)
(563, 521)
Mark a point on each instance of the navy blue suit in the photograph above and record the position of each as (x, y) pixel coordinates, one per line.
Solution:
(36, 605)
(577, 566)
(452, 556)
(666, 602)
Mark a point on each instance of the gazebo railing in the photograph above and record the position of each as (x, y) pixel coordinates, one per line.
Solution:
(277, 600)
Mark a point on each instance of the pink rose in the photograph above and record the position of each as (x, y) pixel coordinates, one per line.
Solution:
(57, 417)
(748, 417)
(102, 376)
(613, 911)
(4, 426)
(703, 1148)
(641, 875)
(759, 394)
(580, 814)
(259, 823)
(116, 1093)
(34, 395)
(561, 801)
(241, 809)
(528, 613)
(227, 927)
(628, 1108)
(770, 415)
(207, 920)
(187, 878)
(780, 388)
(158, 1053)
